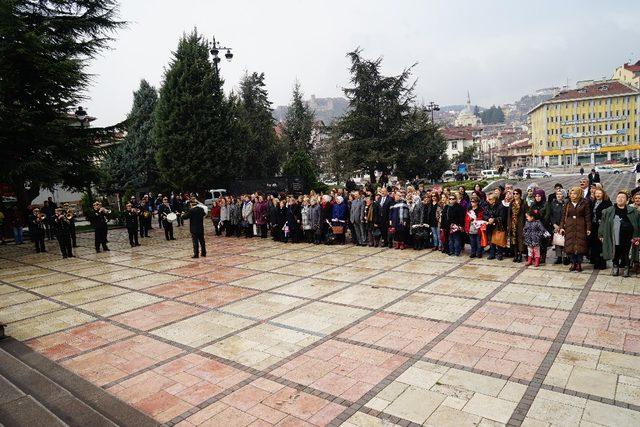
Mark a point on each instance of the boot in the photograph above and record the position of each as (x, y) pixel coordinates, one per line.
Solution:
(529, 261)
(627, 273)
(615, 270)
(537, 262)
(558, 261)
(573, 267)
(515, 257)
(565, 261)
(579, 267)
(543, 258)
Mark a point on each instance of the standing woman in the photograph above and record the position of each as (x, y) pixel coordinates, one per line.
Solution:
(515, 226)
(273, 218)
(305, 215)
(576, 227)
(415, 216)
(540, 204)
(556, 212)
(620, 223)
(598, 203)
(224, 215)
(399, 219)
(432, 219)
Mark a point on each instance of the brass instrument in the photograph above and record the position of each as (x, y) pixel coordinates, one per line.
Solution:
(145, 214)
(105, 211)
(69, 215)
(41, 217)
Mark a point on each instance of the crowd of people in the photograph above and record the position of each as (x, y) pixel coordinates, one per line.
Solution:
(583, 221)
(504, 223)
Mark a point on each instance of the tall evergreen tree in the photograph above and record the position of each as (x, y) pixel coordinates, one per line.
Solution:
(423, 150)
(132, 164)
(194, 123)
(297, 132)
(45, 47)
(298, 123)
(371, 134)
(256, 132)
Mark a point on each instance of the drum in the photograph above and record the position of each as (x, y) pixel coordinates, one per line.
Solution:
(171, 217)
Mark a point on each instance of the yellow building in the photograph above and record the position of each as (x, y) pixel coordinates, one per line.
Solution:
(628, 74)
(587, 125)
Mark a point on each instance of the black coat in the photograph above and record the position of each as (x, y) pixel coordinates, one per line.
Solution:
(195, 216)
(385, 208)
(430, 214)
(453, 214)
(131, 219)
(97, 219)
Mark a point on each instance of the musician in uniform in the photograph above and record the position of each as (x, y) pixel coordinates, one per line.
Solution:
(146, 210)
(62, 227)
(98, 219)
(163, 210)
(177, 204)
(37, 229)
(196, 215)
(71, 216)
(131, 220)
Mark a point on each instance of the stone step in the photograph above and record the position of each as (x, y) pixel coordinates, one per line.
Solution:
(35, 380)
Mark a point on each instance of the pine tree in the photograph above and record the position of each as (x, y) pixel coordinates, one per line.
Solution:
(298, 123)
(423, 150)
(44, 51)
(257, 134)
(370, 135)
(194, 123)
(132, 164)
(297, 132)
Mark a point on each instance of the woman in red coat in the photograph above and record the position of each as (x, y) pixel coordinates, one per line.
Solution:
(215, 217)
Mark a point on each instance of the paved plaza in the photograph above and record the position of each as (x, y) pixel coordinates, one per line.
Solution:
(263, 333)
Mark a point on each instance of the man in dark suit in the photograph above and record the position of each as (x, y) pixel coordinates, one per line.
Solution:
(196, 215)
(98, 219)
(131, 218)
(385, 206)
(594, 177)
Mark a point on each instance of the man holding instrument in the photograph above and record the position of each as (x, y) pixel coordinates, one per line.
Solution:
(164, 212)
(196, 215)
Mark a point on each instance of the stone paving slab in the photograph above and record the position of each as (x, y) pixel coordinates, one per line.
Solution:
(263, 333)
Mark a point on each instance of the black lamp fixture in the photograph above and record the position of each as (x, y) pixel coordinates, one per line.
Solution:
(81, 115)
(431, 107)
(215, 51)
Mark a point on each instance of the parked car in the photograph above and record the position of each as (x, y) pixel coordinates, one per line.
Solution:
(607, 169)
(213, 196)
(534, 173)
(490, 173)
(448, 176)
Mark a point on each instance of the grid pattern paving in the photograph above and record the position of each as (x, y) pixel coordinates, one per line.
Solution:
(263, 333)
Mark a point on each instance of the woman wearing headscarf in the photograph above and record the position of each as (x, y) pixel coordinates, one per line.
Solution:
(515, 225)
(530, 189)
(620, 224)
(556, 212)
(598, 203)
(576, 227)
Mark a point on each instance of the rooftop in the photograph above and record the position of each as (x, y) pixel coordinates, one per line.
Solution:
(596, 90)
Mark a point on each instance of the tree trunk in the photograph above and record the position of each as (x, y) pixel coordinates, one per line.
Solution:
(372, 174)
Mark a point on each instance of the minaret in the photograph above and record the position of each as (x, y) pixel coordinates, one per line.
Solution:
(468, 101)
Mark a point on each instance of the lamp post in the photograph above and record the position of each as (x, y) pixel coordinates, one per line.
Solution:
(216, 47)
(431, 107)
(81, 115)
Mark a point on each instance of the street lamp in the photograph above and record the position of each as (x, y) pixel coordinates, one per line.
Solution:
(215, 51)
(431, 107)
(81, 115)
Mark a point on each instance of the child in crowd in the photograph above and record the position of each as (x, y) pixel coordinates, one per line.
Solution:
(534, 232)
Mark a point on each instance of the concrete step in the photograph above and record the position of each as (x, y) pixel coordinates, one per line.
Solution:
(32, 381)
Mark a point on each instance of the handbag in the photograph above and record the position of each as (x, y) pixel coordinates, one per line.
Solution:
(337, 229)
(558, 239)
(499, 238)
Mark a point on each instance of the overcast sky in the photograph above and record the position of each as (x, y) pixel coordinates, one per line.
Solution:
(498, 50)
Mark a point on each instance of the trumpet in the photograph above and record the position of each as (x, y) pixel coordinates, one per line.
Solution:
(145, 214)
(105, 211)
(41, 217)
(69, 216)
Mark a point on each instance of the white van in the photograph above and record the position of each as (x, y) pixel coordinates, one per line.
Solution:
(490, 173)
(214, 195)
